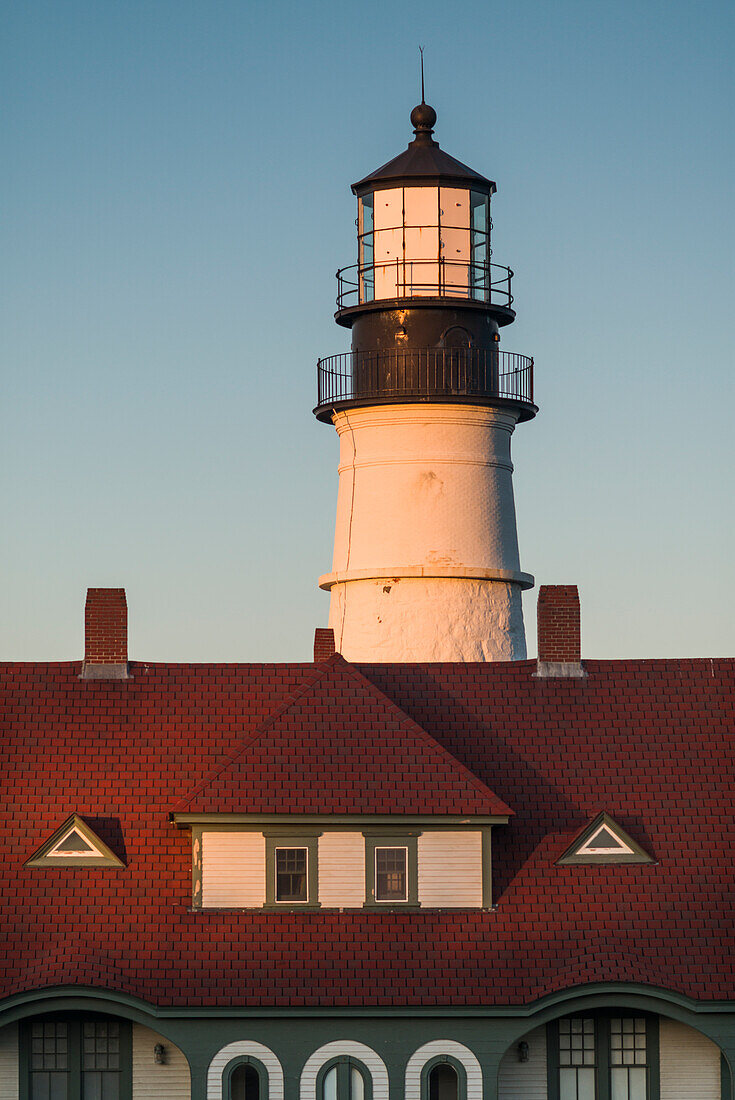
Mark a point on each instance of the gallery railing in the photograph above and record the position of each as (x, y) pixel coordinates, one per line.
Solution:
(439, 278)
(424, 373)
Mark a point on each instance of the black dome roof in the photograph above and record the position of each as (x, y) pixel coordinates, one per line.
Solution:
(423, 160)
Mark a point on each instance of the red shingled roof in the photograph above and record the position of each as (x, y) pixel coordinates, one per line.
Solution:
(340, 746)
(650, 742)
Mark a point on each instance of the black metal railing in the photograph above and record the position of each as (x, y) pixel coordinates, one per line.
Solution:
(440, 278)
(424, 373)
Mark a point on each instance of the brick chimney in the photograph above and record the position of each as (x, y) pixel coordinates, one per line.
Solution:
(559, 635)
(105, 635)
(323, 643)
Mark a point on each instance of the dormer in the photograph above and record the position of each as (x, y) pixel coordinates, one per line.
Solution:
(340, 800)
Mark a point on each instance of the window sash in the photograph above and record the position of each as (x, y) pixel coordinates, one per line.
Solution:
(391, 873)
(291, 868)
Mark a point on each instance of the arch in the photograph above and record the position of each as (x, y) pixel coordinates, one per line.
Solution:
(627, 998)
(238, 1052)
(435, 1051)
(341, 1048)
(626, 995)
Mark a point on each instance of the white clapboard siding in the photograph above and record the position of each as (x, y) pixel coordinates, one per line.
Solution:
(9, 1062)
(342, 870)
(524, 1080)
(450, 869)
(151, 1082)
(690, 1063)
(233, 869)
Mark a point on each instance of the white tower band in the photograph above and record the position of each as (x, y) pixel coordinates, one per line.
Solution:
(426, 564)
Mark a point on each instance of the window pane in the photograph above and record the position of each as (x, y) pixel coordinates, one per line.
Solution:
(568, 1084)
(245, 1083)
(390, 874)
(585, 1084)
(291, 883)
(329, 1086)
(619, 1082)
(637, 1084)
(357, 1084)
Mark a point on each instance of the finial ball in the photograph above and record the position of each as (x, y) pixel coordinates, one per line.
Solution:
(423, 117)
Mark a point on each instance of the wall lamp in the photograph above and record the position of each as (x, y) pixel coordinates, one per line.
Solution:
(159, 1054)
(523, 1051)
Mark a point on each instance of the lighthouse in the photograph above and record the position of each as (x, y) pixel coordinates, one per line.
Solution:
(426, 564)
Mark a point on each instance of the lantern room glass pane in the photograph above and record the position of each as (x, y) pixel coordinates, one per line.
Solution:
(480, 245)
(366, 249)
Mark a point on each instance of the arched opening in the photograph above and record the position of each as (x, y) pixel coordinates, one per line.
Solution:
(443, 1082)
(245, 1083)
(70, 1055)
(613, 1054)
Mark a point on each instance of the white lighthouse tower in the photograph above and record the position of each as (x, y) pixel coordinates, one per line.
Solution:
(426, 564)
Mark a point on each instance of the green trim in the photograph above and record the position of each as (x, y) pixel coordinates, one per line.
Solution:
(106, 858)
(197, 890)
(602, 1057)
(274, 838)
(327, 821)
(725, 1079)
(74, 1023)
(487, 867)
(344, 1063)
(570, 856)
(653, 1057)
(444, 1059)
(409, 841)
(580, 999)
(552, 1060)
(245, 1060)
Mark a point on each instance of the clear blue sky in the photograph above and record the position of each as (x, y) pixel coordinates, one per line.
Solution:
(176, 202)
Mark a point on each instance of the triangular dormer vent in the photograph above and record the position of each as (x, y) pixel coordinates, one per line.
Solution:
(604, 841)
(74, 844)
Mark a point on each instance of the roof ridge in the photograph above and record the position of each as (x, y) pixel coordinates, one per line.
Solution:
(428, 739)
(258, 732)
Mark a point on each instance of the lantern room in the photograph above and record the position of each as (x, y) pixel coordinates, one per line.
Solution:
(424, 241)
(423, 231)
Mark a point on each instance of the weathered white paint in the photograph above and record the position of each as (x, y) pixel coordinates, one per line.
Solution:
(171, 1081)
(426, 564)
(342, 1048)
(9, 1062)
(342, 870)
(238, 1049)
(435, 1049)
(233, 869)
(690, 1063)
(524, 1080)
(450, 868)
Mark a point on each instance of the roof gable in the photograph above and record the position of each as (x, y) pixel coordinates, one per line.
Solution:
(604, 841)
(74, 844)
(339, 746)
